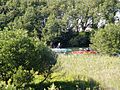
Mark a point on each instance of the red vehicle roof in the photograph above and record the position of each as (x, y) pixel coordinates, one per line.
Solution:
(84, 52)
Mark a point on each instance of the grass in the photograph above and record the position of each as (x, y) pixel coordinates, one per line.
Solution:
(87, 71)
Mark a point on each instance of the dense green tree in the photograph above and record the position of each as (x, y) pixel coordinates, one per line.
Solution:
(18, 49)
(69, 15)
(107, 40)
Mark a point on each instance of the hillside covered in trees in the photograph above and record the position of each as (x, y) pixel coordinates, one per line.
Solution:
(69, 22)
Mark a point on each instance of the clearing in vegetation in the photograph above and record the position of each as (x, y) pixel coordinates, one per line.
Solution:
(87, 72)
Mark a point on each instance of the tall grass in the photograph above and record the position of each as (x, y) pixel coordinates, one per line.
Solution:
(102, 69)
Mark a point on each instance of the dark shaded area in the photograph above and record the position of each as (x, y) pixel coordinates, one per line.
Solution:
(70, 85)
(71, 39)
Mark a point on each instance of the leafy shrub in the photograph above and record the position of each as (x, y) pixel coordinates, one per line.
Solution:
(4, 86)
(17, 48)
(53, 87)
(107, 40)
(22, 78)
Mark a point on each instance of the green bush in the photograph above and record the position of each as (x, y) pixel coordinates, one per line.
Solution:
(22, 78)
(17, 48)
(107, 40)
(4, 86)
(53, 87)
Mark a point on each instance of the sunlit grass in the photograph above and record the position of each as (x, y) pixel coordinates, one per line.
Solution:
(96, 70)
(103, 69)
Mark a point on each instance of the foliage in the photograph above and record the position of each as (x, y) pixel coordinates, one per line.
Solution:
(52, 29)
(81, 40)
(51, 19)
(22, 78)
(52, 87)
(107, 40)
(19, 49)
(4, 86)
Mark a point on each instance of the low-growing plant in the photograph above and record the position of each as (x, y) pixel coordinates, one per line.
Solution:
(22, 78)
(4, 86)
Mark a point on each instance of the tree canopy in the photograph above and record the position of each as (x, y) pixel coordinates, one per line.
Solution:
(107, 40)
(53, 20)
